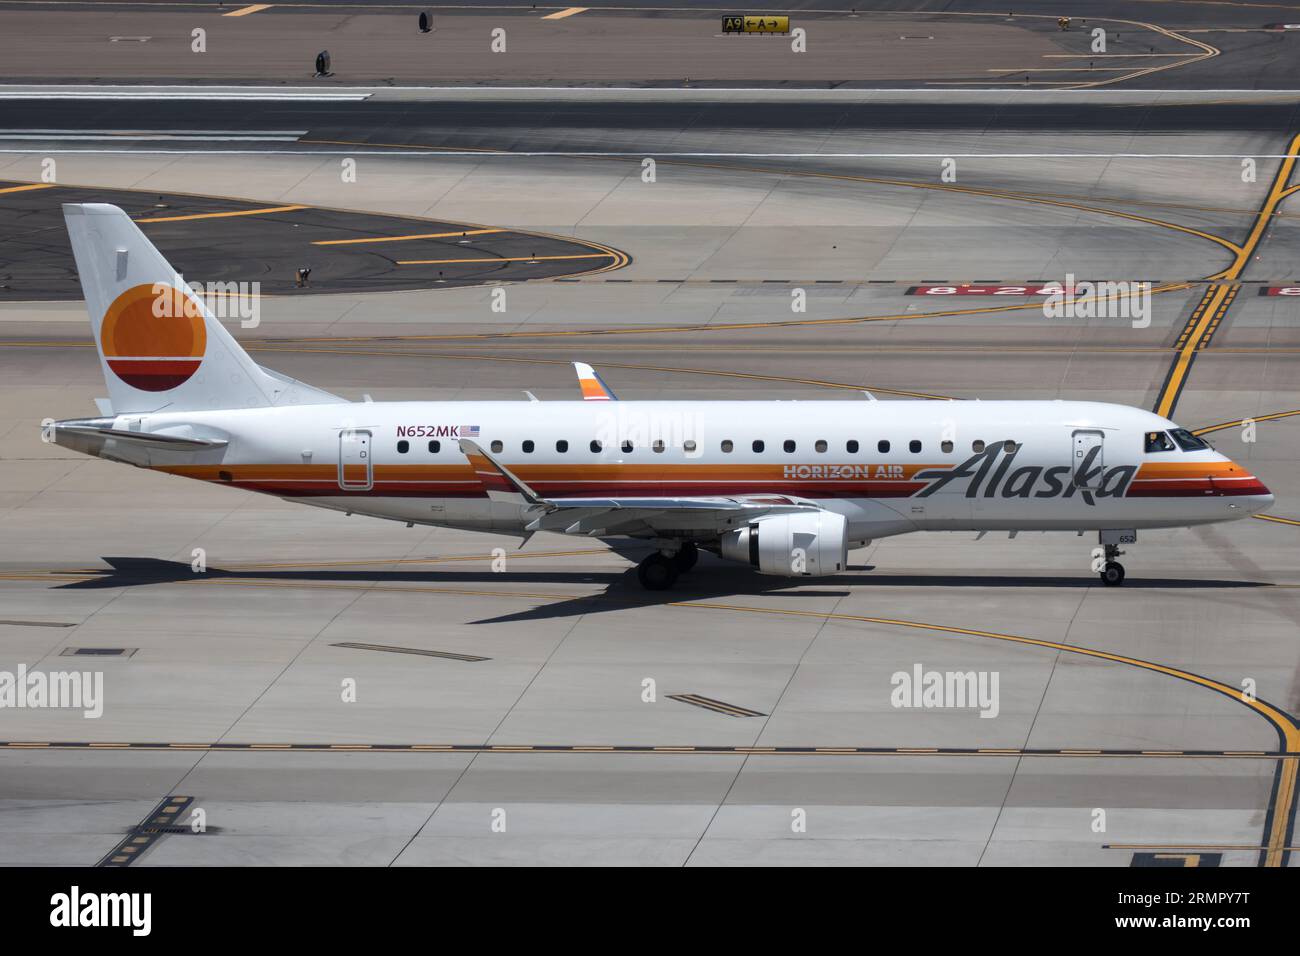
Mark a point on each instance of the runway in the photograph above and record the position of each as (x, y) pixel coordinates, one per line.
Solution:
(977, 44)
(507, 689)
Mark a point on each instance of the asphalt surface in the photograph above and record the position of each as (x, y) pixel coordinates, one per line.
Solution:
(973, 45)
(217, 238)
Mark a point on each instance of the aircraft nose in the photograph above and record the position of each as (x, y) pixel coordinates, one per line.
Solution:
(1255, 496)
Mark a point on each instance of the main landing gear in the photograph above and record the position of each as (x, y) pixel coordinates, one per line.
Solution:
(659, 571)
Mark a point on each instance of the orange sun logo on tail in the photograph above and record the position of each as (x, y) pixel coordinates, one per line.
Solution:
(153, 337)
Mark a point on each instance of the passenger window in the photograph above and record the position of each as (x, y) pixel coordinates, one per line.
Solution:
(561, 446)
(882, 446)
(1158, 441)
(820, 446)
(789, 446)
(977, 446)
(727, 446)
(914, 447)
(1009, 446)
(497, 445)
(435, 447)
(403, 447)
(658, 446)
(627, 446)
(688, 445)
(946, 446)
(758, 445)
(596, 447)
(528, 446)
(851, 446)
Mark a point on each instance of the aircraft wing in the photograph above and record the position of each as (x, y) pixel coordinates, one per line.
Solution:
(599, 516)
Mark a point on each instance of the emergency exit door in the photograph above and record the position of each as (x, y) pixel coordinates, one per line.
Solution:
(356, 465)
(1088, 454)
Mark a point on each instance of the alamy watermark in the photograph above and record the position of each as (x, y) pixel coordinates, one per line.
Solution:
(1121, 299)
(225, 300)
(53, 690)
(946, 689)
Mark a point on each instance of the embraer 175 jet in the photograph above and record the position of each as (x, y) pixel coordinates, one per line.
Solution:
(787, 487)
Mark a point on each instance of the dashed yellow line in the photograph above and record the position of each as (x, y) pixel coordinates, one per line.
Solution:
(245, 11)
(696, 749)
(567, 12)
(222, 215)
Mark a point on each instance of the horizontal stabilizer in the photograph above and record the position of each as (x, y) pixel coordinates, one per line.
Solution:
(147, 439)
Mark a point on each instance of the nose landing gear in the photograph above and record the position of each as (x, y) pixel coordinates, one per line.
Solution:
(1108, 569)
(1112, 573)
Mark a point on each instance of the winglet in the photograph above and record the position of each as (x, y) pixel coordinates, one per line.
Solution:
(593, 386)
(496, 478)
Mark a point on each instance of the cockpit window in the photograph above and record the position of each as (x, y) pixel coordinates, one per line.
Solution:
(1187, 441)
(1159, 441)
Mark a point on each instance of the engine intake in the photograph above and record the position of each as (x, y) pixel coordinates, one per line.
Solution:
(804, 544)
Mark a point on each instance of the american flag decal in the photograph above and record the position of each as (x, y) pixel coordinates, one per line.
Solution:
(468, 431)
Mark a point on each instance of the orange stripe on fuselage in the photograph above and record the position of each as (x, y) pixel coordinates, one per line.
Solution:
(1191, 469)
(473, 478)
(543, 474)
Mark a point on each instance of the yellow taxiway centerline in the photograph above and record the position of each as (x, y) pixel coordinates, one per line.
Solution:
(222, 215)
(245, 11)
(1209, 312)
(1279, 520)
(491, 260)
(28, 187)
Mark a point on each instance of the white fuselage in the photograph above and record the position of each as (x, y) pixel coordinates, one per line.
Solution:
(916, 465)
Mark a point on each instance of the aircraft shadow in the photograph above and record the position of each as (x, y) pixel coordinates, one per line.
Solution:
(711, 580)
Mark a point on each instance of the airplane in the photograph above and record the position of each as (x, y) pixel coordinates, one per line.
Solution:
(786, 487)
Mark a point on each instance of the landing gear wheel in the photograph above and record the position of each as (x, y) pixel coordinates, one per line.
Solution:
(657, 573)
(686, 557)
(1112, 575)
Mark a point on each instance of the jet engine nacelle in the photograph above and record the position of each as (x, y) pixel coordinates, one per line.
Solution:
(804, 544)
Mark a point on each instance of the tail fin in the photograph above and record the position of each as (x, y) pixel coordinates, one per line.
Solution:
(159, 345)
